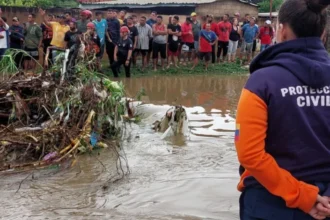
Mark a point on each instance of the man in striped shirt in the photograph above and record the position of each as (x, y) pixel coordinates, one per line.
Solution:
(145, 34)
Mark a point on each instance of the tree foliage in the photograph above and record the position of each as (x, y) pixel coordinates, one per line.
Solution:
(40, 3)
(264, 6)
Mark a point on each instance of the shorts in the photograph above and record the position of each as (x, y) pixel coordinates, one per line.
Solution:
(190, 45)
(196, 45)
(142, 52)
(173, 49)
(158, 48)
(150, 45)
(206, 55)
(33, 53)
(254, 46)
(249, 47)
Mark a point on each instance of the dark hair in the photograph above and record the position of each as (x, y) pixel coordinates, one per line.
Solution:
(74, 23)
(307, 18)
(176, 17)
(144, 17)
(115, 10)
(247, 15)
(134, 16)
(227, 15)
(129, 18)
(154, 12)
(33, 15)
(110, 10)
(98, 13)
(123, 11)
(68, 13)
(159, 16)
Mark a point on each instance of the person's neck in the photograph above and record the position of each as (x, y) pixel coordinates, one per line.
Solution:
(125, 37)
(252, 25)
(99, 19)
(159, 24)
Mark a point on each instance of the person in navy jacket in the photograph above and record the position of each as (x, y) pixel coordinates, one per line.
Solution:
(282, 134)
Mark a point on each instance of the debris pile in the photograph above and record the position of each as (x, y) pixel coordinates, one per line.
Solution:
(44, 121)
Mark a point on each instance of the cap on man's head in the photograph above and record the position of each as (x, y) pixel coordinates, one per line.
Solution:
(268, 22)
(193, 14)
(15, 19)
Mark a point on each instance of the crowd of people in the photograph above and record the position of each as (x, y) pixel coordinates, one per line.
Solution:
(124, 38)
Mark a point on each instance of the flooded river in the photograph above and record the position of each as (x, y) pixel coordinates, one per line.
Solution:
(178, 178)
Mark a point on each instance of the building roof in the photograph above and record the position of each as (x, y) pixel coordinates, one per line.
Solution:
(156, 2)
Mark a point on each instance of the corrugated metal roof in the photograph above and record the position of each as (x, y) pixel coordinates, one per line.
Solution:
(152, 2)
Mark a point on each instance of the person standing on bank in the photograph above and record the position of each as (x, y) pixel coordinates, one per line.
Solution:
(112, 34)
(4, 35)
(215, 29)
(85, 18)
(266, 35)
(17, 40)
(224, 28)
(196, 28)
(123, 53)
(144, 36)
(206, 40)
(283, 121)
(174, 32)
(101, 27)
(159, 32)
(187, 37)
(234, 38)
(151, 21)
(133, 35)
(32, 43)
(250, 34)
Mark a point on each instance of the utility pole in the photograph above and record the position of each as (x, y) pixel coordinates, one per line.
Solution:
(270, 9)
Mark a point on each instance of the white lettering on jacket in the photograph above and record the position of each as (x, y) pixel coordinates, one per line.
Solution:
(307, 96)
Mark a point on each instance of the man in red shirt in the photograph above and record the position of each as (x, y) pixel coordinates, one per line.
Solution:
(214, 28)
(224, 28)
(207, 40)
(266, 35)
(187, 38)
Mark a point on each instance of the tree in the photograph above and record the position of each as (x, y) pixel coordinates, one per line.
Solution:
(264, 6)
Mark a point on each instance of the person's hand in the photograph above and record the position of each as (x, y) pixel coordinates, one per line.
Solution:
(323, 204)
(115, 58)
(42, 12)
(127, 62)
(321, 210)
(316, 214)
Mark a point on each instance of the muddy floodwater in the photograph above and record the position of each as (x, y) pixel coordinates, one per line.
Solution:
(188, 178)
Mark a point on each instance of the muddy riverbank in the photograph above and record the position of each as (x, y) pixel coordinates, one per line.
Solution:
(177, 178)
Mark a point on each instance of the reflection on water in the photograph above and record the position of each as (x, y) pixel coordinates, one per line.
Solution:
(190, 179)
(219, 92)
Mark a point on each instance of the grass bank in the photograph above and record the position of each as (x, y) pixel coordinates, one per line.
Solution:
(216, 69)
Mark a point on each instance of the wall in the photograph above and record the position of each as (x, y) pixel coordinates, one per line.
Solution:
(221, 7)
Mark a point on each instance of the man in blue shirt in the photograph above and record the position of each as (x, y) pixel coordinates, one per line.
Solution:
(101, 27)
(112, 35)
(250, 33)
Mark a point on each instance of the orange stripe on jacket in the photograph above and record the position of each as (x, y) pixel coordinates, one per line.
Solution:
(252, 119)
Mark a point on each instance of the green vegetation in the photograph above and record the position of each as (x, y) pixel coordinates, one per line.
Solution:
(264, 6)
(223, 68)
(40, 3)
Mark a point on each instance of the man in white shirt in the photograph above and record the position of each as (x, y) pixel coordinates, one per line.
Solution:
(4, 35)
